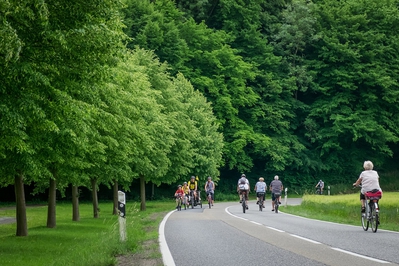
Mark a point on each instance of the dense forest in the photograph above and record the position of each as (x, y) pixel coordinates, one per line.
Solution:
(106, 93)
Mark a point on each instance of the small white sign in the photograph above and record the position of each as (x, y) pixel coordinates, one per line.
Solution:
(121, 197)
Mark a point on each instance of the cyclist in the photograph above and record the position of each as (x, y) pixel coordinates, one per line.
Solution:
(186, 190)
(260, 187)
(210, 188)
(193, 186)
(243, 185)
(179, 194)
(320, 185)
(370, 181)
(276, 186)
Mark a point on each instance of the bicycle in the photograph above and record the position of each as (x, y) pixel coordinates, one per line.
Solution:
(209, 199)
(261, 196)
(276, 202)
(244, 200)
(191, 199)
(179, 202)
(371, 214)
(185, 201)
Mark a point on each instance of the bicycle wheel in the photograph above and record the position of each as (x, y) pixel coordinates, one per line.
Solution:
(365, 221)
(373, 218)
(276, 205)
(192, 201)
(209, 200)
(244, 207)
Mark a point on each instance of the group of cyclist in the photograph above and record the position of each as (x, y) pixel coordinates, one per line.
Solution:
(184, 191)
(243, 188)
(369, 180)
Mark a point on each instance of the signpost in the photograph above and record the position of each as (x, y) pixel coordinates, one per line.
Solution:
(122, 212)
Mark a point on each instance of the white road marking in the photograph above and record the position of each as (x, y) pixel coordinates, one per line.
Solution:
(306, 239)
(166, 255)
(361, 256)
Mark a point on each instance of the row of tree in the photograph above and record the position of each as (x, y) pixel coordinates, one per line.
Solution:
(79, 108)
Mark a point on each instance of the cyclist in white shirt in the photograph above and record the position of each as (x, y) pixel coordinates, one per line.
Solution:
(260, 187)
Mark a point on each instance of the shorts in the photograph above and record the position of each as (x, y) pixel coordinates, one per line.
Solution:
(258, 194)
(212, 195)
(246, 194)
(273, 197)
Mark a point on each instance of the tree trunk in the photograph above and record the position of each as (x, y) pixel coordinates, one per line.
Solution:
(152, 191)
(115, 198)
(94, 196)
(51, 221)
(75, 204)
(22, 225)
(142, 193)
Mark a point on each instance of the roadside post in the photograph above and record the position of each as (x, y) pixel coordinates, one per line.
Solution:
(122, 219)
(328, 190)
(285, 197)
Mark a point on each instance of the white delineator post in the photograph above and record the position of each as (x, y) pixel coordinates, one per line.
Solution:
(328, 190)
(122, 219)
(285, 197)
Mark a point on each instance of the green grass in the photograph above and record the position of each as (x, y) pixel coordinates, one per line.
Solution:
(346, 209)
(87, 242)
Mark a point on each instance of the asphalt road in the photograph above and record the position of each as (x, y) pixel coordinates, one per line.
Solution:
(224, 235)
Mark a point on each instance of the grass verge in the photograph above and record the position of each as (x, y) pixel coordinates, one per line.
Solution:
(87, 242)
(346, 209)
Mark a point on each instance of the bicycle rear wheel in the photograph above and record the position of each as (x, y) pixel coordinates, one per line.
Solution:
(276, 206)
(373, 218)
(209, 200)
(244, 207)
(365, 221)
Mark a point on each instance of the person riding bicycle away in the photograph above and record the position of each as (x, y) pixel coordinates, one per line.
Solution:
(370, 181)
(192, 185)
(210, 189)
(186, 190)
(320, 185)
(179, 194)
(276, 187)
(243, 186)
(260, 187)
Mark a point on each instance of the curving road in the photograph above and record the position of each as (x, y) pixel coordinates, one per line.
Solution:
(224, 235)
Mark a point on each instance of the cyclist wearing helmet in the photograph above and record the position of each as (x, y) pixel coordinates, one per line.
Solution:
(210, 188)
(243, 185)
(192, 185)
(179, 194)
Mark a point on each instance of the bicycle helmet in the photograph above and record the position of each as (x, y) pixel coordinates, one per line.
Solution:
(192, 177)
(185, 183)
(179, 186)
(243, 175)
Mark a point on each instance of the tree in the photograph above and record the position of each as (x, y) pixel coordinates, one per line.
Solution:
(354, 116)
